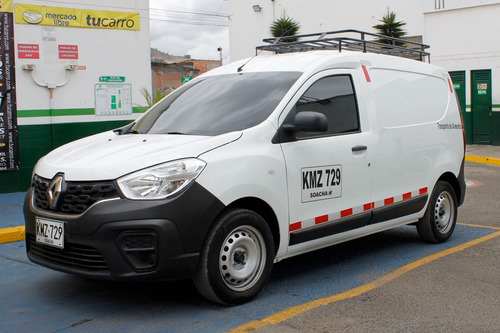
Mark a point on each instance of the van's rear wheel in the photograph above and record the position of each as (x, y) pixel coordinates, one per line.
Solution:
(439, 221)
(237, 258)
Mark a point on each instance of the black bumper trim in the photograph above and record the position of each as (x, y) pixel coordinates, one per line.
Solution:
(180, 225)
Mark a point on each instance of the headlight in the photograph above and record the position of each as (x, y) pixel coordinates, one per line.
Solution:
(160, 181)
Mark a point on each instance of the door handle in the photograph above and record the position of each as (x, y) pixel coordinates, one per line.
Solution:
(359, 148)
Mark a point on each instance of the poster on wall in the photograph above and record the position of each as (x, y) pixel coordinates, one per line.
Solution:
(113, 99)
(9, 159)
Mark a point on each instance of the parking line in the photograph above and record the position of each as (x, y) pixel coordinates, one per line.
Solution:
(12, 234)
(479, 226)
(293, 311)
(480, 159)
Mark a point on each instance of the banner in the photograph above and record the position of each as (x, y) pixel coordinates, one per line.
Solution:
(6, 6)
(9, 159)
(76, 18)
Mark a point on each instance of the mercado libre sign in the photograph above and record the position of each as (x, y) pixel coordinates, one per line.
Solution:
(76, 18)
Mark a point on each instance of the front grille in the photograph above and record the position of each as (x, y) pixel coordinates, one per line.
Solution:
(73, 255)
(75, 198)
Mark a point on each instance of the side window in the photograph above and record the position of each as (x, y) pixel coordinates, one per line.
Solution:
(334, 97)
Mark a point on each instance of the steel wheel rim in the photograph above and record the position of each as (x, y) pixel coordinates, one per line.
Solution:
(444, 212)
(242, 258)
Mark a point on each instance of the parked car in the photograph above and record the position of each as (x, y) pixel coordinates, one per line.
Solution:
(252, 163)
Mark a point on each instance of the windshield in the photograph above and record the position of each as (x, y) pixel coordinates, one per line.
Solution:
(217, 104)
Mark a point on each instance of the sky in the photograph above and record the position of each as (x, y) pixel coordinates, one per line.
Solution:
(190, 27)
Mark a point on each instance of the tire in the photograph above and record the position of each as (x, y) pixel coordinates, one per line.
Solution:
(236, 259)
(438, 223)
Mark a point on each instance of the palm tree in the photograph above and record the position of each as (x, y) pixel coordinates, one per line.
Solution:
(283, 27)
(391, 28)
(152, 99)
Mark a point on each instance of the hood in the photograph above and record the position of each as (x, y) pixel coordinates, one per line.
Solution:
(108, 156)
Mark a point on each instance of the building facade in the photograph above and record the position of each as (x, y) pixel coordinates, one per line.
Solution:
(74, 69)
(462, 35)
(170, 72)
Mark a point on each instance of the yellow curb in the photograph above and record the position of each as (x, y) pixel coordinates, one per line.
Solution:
(13, 234)
(479, 159)
(301, 308)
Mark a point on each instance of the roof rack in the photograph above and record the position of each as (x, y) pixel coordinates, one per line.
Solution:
(347, 40)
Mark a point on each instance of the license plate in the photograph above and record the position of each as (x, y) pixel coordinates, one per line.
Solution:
(50, 232)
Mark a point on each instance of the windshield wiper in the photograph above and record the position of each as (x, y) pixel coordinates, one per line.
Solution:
(179, 133)
(125, 129)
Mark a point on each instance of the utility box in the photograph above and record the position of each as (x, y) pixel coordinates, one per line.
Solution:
(68, 70)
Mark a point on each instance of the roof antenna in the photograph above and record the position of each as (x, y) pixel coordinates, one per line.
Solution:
(240, 69)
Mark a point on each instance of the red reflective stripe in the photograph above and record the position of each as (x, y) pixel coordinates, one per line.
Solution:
(295, 226)
(350, 211)
(321, 219)
(367, 75)
(346, 212)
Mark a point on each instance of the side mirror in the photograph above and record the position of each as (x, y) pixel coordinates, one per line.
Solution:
(308, 121)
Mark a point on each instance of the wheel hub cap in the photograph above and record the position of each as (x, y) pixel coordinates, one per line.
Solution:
(242, 258)
(444, 213)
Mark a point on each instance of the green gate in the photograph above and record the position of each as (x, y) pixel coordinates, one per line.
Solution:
(481, 106)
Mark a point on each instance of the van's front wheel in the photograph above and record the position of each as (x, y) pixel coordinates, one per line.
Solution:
(439, 221)
(237, 258)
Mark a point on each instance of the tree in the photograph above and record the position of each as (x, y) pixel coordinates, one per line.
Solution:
(391, 28)
(285, 26)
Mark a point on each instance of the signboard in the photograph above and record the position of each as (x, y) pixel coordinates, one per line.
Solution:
(113, 99)
(6, 6)
(68, 51)
(76, 18)
(185, 79)
(9, 159)
(28, 51)
(111, 78)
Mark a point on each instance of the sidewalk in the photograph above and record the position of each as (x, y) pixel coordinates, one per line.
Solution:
(483, 154)
(483, 151)
(11, 217)
(11, 204)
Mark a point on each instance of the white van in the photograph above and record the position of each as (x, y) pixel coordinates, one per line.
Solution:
(250, 164)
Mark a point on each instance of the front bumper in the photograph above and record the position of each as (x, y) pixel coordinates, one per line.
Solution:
(129, 240)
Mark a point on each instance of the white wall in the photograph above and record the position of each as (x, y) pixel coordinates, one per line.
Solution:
(431, 5)
(103, 52)
(466, 39)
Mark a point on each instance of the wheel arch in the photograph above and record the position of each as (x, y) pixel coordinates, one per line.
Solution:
(455, 184)
(263, 209)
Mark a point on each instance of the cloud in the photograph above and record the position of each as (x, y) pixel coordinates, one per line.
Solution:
(190, 27)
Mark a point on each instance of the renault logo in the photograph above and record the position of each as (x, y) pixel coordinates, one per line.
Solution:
(54, 190)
